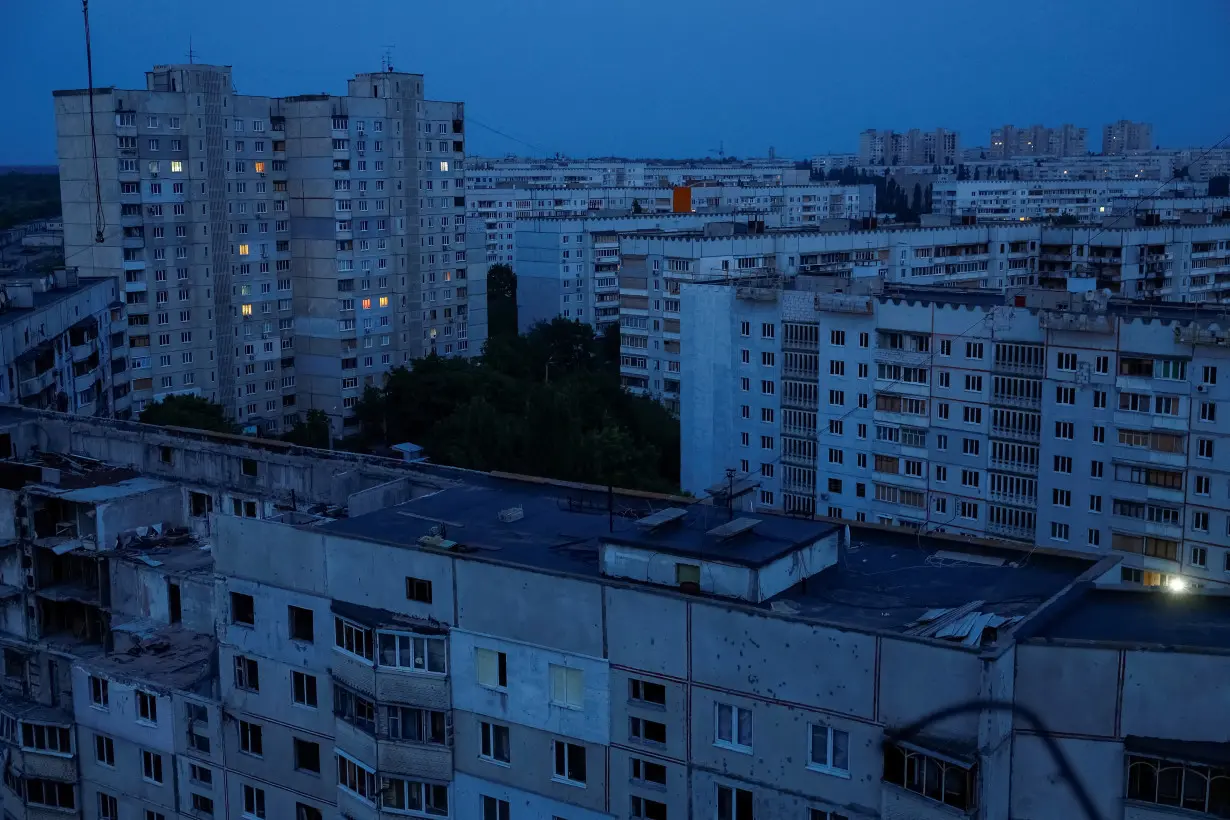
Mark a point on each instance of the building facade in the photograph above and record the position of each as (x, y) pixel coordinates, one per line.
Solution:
(64, 344)
(1038, 140)
(1124, 136)
(276, 254)
(1019, 200)
(913, 147)
(676, 662)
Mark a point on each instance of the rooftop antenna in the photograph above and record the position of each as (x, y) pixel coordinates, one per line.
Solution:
(100, 224)
(386, 59)
(730, 493)
(191, 54)
(721, 149)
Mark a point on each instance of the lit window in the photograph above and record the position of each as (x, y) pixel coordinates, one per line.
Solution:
(384, 301)
(367, 304)
(444, 165)
(243, 250)
(247, 310)
(177, 167)
(259, 167)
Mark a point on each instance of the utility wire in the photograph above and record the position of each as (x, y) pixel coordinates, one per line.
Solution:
(508, 136)
(99, 220)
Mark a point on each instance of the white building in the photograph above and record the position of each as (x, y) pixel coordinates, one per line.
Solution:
(1124, 136)
(1021, 200)
(490, 172)
(1038, 140)
(276, 254)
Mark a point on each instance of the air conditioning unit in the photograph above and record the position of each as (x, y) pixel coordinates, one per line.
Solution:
(1202, 388)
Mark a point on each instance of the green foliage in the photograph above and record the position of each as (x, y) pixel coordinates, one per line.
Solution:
(546, 403)
(313, 432)
(891, 198)
(501, 302)
(188, 411)
(24, 197)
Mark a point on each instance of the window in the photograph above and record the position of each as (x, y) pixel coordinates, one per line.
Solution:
(642, 808)
(352, 638)
(50, 793)
(418, 589)
(494, 743)
(569, 762)
(307, 755)
(1200, 556)
(354, 708)
(493, 808)
(1102, 365)
(253, 801)
(1065, 430)
(250, 738)
(243, 609)
(1095, 503)
(202, 804)
(108, 807)
(1200, 522)
(356, 778)
(1181, 784)
(828, 750)
(303, 688)
(492, 668)
(1204, 448)
(973, 350)
(100, 696)
(567, 687)
(1059, 531)
(200, 774)
(414, 652)
(647, 771)
(650, 732)
(301, 624)
(412, 796)
(732, 727)
(104, 750)
(247, 674)
(1208, 411)
(734, 804)
(1065, 361)
(151, 766)
(940, 780)
(198, 717)
(646, 692)
(147, 707)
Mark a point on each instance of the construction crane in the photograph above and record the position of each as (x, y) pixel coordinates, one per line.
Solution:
(720, 150)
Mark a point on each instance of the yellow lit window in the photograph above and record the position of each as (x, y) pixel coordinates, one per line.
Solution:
(367, 304)
(177, 167)
(247, 310)
(243, 250)
(384, 301)
(259, 166)
(448, 276)
(443, 165)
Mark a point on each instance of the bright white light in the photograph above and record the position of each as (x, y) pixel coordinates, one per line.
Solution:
(1177, 585)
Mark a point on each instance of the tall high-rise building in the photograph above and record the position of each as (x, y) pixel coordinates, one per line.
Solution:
(1037, 140)
(1125, 135)
(277, 255)
(913, 147)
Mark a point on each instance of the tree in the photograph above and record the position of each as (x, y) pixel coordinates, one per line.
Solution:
(962, 173)
(636, 206)
(917, 204)
(188, 411)
(501, 301)
(313, 432)
(1219, 186)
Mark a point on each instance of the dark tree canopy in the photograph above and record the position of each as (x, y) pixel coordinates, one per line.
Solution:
(547, 402)
(188, 411)
(312, 432)
(501, 301)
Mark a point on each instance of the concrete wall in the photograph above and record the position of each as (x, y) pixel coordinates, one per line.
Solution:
(468, 791)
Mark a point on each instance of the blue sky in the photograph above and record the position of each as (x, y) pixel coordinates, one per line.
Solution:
(666, 77)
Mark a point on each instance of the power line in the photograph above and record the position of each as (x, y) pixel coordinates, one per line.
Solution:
(99, 219)
(508, 136)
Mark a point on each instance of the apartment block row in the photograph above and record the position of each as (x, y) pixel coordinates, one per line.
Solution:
(913, 147)
(491, 172)
(1037, 140)
(63, 342)
(1048, 418)
(1084, 200)
(444, 651)
(275, 254)
(503, 211)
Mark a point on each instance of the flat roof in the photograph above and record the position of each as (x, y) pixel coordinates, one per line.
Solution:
(561, 526)
(890, 580)
(886, 581)
(46, 299)
(1141, 616)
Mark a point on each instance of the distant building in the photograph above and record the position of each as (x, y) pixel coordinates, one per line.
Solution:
(1037, 141)
(1124, 136)
(914, 147)
(1022, 200)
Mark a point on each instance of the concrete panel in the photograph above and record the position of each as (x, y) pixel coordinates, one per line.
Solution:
(527, 698)
(430, 691)
(938, 677)
(776, 658)
(1072, 689)
(468, 792)
(768, 802)
(288, 557)
(673, 714)
(623, 786)
(899, 804)
(647, 631)
(416, 761)
(1191, 687)
(561, 613)
(532, 765)
(374, 575)
(1038, 791)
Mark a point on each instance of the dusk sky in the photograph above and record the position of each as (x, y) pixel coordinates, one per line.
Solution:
(666, 77)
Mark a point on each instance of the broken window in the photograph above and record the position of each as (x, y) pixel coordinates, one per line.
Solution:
(201, 504)
(418, 589)
(243, 609)
(247, 674)
(301, 624)
(249, 466)
(944, 781)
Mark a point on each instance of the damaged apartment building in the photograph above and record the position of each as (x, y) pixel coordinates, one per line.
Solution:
(207, 626)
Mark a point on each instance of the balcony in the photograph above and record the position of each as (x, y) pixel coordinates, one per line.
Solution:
(415, 760)
(1015, 434)
(1019, 499)
(1022, 368)
(1022, 467)
(905, 358)
(1023, 402)
(83, 351)
(1010, 531)
(802, 487)
(798, 459)
(811, 374)
(85, 381)
(799, 403)
(39, 383)
(799, 432)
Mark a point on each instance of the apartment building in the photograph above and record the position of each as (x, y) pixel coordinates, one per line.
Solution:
(913, 147)
(1037, 140)
(1086, 200)
(1045, 417)
(63, 342)
(276, 254)
(379, 656)
(1124, 136)
(489, 172)
(654, 268)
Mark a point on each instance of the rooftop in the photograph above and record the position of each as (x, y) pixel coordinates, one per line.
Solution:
(885, 581)
(1144, 616)
(156, 654)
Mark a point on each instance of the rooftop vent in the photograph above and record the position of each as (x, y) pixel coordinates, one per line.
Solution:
(512, 514)
(438, 542)
(732, 528)
(661, 518)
